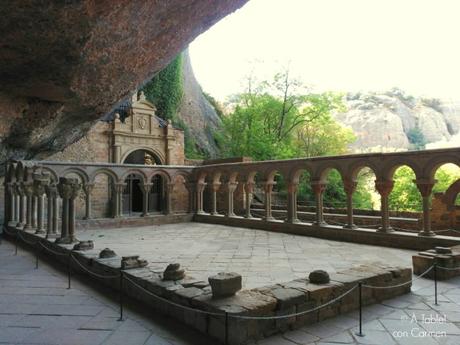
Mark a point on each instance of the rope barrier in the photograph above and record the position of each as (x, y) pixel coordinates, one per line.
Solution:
(50, 250)
(449, 268)
(94, 274)
(29, 243)
(402, 284)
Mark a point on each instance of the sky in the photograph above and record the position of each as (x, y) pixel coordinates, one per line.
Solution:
(337, 45)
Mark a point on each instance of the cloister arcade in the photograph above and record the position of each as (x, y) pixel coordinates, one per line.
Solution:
(34, 188)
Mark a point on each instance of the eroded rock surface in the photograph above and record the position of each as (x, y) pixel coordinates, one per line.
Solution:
(65, 64)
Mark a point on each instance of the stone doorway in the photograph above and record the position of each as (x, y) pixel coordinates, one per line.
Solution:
(132, 195)
(156, 193)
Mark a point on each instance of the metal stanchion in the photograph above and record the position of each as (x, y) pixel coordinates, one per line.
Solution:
(36, 258)
(435, 283)
(16, 243)
(69, 270)
(360, 292)
(226, 328)
(121, 295)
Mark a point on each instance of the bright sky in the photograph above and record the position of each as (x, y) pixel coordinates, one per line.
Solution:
(341, 45)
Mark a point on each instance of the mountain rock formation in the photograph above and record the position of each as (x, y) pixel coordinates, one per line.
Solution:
(64, 64)
(197, 113)
(382, 121)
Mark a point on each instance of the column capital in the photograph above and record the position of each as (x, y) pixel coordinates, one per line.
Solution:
(119, 187)
(384, 187)
(170, 186)
(292, 187)
(28, 188)
(88, 188)
(145, 187)
(318, 186)
(215, 186)
(425, 186)
(349, 186)
(68, 187)
(200, 186)
(40, 183)
(231, 186)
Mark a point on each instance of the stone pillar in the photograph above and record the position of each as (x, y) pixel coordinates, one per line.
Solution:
(169, 202)
(200, 186)
(248, 189)
(118, 206)
(22, 204)
(52, 216)
(145, 187)
(17, 200)
(231, 187)
(268, 188)
(191, 188)
(55, 214)
(40, 182)
(350, 187)
(384, 187)
(10, 203)
(425, 187)
(292, 203)
(68, 190)
(34, 211)
(214, 188)
(87, 189)
(29, 192)
(318, 188)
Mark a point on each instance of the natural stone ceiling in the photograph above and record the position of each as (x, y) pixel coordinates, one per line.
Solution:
(64, 64)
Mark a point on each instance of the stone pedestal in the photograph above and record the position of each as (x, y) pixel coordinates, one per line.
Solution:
(443, 257)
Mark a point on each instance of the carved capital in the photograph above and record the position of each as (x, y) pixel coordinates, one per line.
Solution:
(40, 182)
(249, 187)
(425, 186)
(318, 187)
(146, 187)
(349, 186)
(88, 188)
(68, 188)
(200, 186)
(51, 191)
(119, 187)
(268, 187)
(292, 187)
(28, 188)
(231, 186)
(384, 187)
(215, 186)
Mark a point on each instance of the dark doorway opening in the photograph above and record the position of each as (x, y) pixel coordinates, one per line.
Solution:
(132, 195)
(156, 193)
(142, 157)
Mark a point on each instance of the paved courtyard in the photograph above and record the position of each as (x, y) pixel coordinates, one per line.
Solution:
(261, 257)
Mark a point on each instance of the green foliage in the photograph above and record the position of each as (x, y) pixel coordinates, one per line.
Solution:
(215, 104)
(165, 90)
(416, 138)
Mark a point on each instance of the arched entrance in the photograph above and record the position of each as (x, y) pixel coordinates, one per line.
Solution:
(133, 194)
(142, 156)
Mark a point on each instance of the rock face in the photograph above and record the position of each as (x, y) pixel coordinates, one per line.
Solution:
(383, 120)
(197, 113)
(65, 64)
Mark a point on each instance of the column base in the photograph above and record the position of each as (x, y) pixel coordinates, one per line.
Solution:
(51, 236)
(40, 231)
(28, 228)
(66, 240)
(292, 221)
(249, 216)
(427, 234)
(215, 214)
(350, 227)
(383, 230)
(268, 219)
(323, 223)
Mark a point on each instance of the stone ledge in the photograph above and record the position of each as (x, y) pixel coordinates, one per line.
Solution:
(394, 239)
(276, 300)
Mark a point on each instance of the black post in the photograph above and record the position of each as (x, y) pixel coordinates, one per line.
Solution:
(36, 258)
(435, 283)
(226, 328)
(16, 243)
(360, 291)
(69, 270)
(121, 295)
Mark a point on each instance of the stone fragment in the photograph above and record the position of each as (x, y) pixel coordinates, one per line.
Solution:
(173, 272)
(107, 253)
(319, 277)
(84, 245)
(128, 262)
(443, 250)
(225, 284)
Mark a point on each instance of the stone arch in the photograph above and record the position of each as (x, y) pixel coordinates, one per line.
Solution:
(388, 169)
(53, 174)
(434, 164)
(162, 173)
(77, 171)
(451, 194)
(150, 150)
(135, 172)
(354, 170)
(295, 173)
(105, 171)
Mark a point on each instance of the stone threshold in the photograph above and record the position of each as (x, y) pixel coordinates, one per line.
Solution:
(395, 239)
(269, 301)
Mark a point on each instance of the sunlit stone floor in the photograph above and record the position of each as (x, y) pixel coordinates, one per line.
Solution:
(261, 257)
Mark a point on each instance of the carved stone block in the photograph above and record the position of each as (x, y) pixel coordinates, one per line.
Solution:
(129, 262)
(173, 272)
(107, 253)
(319, 277)
(84, 245)
(225, 284)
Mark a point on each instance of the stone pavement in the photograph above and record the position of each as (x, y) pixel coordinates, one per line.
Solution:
(37, 308)
(261, 257)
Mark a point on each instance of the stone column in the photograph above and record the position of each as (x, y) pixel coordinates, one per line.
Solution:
(51, 226)
(55, 214)
(200, 186)
(318, 188)
(34, 211)
(268, 188)
(87, 189)
(118, 209)
(425, 187)
(145, 187)
(22, 204)
(169, 202)
(292, 203)
(68, 190)
(29, 192)
(40, 183)
(10, 203)
(191, 188)
(214, 188)
(248, 189)
(350, 187)
(231, 187)
(384, 187)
